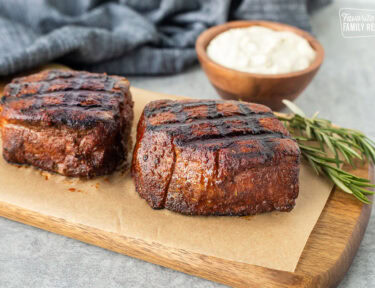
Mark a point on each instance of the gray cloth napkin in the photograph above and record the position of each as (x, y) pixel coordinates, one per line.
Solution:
(127, 36)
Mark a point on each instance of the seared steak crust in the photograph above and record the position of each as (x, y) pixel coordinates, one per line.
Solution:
(70, 122)
(215, 158)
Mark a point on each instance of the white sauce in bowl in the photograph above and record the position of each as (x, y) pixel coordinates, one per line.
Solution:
(258, 49)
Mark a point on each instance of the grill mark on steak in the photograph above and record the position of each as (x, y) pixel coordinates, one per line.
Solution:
(78, 121)
(213, 113)
(55, 96)
(76, 84)
(41, 105)
(198, 120)
(175, 107)
(230, 158)
(256, 127)
(183, 123)
(221, 124)
(59, 80)
(104, 96)
(191, 140)
(228, 140)
(54, 74)
(230, 128)
(248, 125)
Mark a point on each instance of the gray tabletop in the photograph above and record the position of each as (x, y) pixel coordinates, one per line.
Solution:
(343, 91)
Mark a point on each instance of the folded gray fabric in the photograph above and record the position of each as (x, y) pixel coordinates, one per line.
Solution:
(124, 37)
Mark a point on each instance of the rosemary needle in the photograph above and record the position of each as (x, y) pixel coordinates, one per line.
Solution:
(313, 135)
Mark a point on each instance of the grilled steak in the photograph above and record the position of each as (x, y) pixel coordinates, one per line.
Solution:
(215, 158)
(70, 122)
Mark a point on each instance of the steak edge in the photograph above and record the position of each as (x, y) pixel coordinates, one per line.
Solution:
(206, 157)
(73, 123)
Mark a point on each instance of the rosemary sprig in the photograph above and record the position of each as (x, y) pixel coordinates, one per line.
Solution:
(314, 134)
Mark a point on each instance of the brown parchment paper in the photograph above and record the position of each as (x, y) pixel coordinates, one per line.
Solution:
(274, 240)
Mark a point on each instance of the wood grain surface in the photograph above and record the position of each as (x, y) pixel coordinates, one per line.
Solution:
(323, 263)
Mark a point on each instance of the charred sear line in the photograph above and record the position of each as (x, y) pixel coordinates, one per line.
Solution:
(221, 130)
(72, 100)
(177, 107)
(63, 86)
(63, 74)
(109, 83)
(87, 122)
(271, 136)
(76, 99)
(220, 120)
(80, 94)
(213, 116)
(232, 136)
(60, 74)
(213, 113)
(268, 152)
(43, 106)
(245, 109)
(241, 124)
(70, 116)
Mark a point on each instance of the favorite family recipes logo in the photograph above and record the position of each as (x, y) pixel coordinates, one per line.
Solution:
(357, 22)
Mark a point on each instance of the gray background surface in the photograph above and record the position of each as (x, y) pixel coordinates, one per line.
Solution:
(343, 91)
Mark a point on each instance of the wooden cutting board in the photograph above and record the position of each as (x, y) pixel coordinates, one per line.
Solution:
(326, 257)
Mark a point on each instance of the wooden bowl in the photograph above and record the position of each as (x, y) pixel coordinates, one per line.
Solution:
(267, 89)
